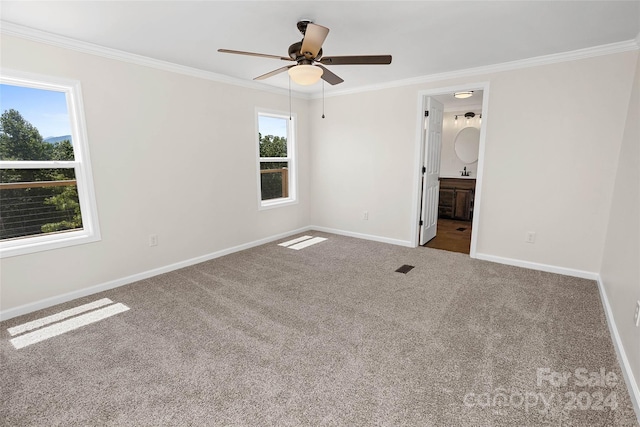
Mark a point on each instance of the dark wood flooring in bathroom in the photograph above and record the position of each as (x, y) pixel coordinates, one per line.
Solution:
(452, 236)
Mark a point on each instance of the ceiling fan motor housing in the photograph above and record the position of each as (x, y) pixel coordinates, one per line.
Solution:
(302, 25)
(297, 55)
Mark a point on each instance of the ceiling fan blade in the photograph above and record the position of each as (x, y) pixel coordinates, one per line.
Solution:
(356, 60)
(274, 72)
(262, 55)
(329, 77)
(314, 36)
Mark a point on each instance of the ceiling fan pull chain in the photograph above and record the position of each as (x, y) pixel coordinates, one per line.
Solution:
(289, 98)
(323, 99)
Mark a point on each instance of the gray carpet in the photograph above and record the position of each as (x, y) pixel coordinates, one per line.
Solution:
(329, 335)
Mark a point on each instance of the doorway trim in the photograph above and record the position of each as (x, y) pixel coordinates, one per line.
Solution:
(420, 152)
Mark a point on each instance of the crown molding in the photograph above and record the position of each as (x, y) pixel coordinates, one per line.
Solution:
(574, 55)
(32, 34)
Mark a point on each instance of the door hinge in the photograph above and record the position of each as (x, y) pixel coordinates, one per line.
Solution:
(426, 113)
(424, 169)
(421, 222)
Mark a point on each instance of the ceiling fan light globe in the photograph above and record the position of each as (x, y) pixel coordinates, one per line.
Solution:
(305, 74)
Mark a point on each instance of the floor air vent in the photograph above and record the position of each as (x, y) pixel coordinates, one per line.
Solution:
(404, 269)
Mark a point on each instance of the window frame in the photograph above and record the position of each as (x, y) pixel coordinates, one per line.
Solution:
(291, 159)
(81, 164)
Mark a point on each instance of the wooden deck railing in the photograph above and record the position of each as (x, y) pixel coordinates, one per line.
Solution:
(285, 178)
(36, 184)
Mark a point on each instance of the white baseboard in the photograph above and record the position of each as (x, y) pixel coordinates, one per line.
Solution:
(59, 299)
(398, 242)
(540, 267)
(69, 296)
(630, 380)
(632, 385)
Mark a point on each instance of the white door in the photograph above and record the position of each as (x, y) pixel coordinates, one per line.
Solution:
(432, 140)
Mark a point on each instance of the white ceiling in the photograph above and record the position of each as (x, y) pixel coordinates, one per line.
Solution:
(424, 37)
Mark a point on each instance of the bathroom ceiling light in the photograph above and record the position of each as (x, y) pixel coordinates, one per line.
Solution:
(305, 74)
(470, 115)
(463, 95)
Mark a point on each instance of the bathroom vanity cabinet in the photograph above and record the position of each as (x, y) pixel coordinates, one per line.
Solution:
(456, 198)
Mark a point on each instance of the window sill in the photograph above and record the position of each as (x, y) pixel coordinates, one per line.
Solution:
(276, 203)
(29, 245)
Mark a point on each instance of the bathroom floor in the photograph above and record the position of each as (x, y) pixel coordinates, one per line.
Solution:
(452, 236)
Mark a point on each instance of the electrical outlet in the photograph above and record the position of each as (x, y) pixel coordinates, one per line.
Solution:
(153, 240)
(530, 237)
(365, 215)
(636, 317)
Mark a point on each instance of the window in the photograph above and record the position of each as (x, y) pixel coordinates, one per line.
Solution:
(46, 191)
(276, 160)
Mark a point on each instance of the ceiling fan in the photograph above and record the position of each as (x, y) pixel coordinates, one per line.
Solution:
(307, 54)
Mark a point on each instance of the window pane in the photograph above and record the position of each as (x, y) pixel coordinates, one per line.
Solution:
(274, 179)
(38, 201)
(272, 132)
(276, 157)
(34, 124)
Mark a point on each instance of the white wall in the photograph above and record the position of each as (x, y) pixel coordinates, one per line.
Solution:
(621, 260)
(450, 164)
(175, 155)
(363, 161)
(172, 155)
(553, 136)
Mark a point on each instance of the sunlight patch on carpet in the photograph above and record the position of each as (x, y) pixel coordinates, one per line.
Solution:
(38, 323)
(294, 241)
(302, 242)
(65, 325)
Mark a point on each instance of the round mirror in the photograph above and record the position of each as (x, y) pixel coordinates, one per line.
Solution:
(467, 144)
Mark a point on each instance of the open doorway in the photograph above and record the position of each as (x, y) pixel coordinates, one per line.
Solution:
(460, 152)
